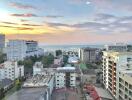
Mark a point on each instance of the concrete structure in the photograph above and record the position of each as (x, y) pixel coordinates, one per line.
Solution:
(129, 48)
(71, 51)
(65, 77)
(73, 60)
(119, 47)
(44, 81)
(88, 55)
(19, 49)
(6, 84)
(2, 41)
(11, 70)
(125, 85)
(37, 68)
(103, 94)
(58, 61)
(113, 62)
(40, 93)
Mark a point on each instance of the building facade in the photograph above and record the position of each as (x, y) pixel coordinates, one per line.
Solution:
(65, 77)
(113, 62)
(37, 68)
(125, 85)
(88, 55)
(2, 41)
(11, 70)
(119, 47)
(19, 49)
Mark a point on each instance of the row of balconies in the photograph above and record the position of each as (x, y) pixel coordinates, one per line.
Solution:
(125, 95)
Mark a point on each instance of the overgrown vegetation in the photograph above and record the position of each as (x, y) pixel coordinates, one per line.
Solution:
(2, 57)
(2, 94)
(47, 60)
(58, 52)
(30, 61)
(65, 59)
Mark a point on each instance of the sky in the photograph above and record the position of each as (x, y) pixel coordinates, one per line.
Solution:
(67, 21)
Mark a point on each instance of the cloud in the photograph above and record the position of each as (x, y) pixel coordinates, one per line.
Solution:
(21, 6)
(104, 5)
(120, 5)
(24, 28)
(10, 23)
(89, 25)
(51, 24)
(54, 16)
(17, 28)
(24, 15)
(7, 26)
(31, 25)
(23, 20)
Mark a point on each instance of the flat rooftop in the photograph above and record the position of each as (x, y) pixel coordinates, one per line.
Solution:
(37, 81)
(66, 69)
(103, 93)
(28, 94)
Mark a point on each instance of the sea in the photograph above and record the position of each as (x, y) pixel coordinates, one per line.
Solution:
(57, 47)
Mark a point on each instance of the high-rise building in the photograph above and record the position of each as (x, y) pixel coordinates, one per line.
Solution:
(19, 49)
(2, 41)
(88, 55)
(113, 63)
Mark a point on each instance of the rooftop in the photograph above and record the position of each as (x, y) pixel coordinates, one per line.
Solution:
(90, 49)
(118, 53)
(28, 94)
(73, 59)
(37, 81)
(103, 93)
(38, 65)
(5, 82)
(66, 69)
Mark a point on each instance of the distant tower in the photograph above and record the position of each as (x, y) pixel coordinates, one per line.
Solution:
(2, 41)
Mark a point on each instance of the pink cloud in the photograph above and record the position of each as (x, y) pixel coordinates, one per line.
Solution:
(24, 15)
(21, 6)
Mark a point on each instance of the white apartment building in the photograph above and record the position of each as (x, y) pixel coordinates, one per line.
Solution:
(113, 62)
(11, 70)
(121, 47)
(70, 51)
(65, 77)
(58, 61)
(125, 85)
(37, 68)
(19, 49)
(73, 59)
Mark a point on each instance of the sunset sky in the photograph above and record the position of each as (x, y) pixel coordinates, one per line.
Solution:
(67, 21)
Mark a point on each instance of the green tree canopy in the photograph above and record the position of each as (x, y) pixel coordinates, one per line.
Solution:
(58, 52)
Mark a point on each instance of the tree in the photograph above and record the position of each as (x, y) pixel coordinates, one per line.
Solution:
(58, 52)
(65, 59)
(18, 84)
(2, 57)
(48, 60)
(2, 94)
